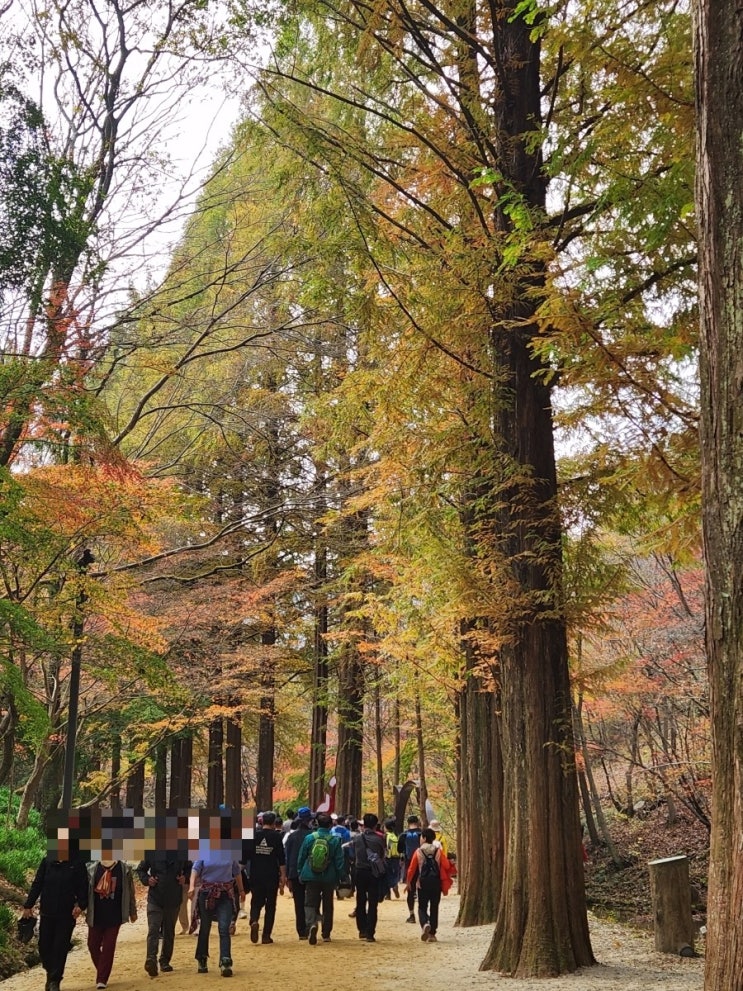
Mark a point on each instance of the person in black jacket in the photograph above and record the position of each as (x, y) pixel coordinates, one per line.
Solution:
(369, 846)
(62, 882)
(267, 860)
(164, 880)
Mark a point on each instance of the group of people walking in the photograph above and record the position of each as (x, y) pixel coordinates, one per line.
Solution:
(319, 858)
(364, 858)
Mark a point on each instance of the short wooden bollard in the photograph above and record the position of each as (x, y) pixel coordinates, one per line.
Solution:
(671, 894)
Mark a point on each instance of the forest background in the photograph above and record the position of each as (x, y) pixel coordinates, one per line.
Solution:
(271, 507)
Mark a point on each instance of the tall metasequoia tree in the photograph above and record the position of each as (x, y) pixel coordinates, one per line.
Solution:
(719, 51)
(489, 123)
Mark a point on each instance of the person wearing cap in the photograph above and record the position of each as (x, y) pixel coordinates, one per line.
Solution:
(319, 888)
(301, 828)
(267, 859)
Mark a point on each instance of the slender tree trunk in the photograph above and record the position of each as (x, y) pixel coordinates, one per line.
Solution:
(33, 784)
(378, 754)
(174, 796)
(186, 770)
(161, 776)
(585, 794)
(397, 769)
(7, 734)
(233, 764)
(135, 787)
(215, 764)
(320, 675)
(718, 31)
(421, 750)
(115, 794)
(266, 729)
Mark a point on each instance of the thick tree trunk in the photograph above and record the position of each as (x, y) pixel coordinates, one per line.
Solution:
(718, 33)
(181, 768)
(480, 846)
(350, 729)
(542, 927)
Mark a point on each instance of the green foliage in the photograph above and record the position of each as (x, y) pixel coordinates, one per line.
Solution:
(42, 197)
(16, 864)
(20, 849)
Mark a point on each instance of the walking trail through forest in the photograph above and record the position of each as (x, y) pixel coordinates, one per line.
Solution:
(398, 961)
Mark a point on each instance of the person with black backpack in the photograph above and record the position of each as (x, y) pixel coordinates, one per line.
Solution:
(321, 867)
(429, 873)
(370, 859)
(407, 846)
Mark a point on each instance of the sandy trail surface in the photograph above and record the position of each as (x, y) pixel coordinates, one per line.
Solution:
(398, 961)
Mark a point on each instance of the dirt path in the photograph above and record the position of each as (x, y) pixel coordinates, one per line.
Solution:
(398, 961)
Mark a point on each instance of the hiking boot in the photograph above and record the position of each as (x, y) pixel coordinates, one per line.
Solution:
(149, 965)
(313, 935)
(203, 969)
(254, 927)
(411, 917)
(426, 932)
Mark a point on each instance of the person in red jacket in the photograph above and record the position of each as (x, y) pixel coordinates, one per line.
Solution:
(430, 871)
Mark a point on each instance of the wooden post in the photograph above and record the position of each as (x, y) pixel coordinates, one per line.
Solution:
(671, 894)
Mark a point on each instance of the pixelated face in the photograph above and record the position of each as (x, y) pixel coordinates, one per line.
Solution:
(106, 834)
